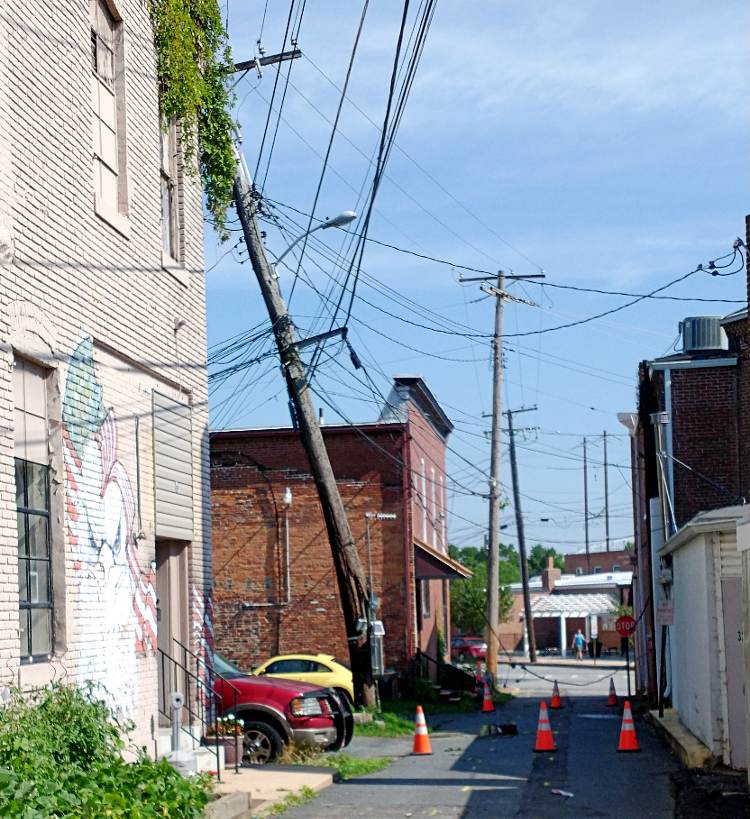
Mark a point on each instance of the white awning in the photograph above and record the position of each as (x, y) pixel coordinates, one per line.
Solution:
(573, 605)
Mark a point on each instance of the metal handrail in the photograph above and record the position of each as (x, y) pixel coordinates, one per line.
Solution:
(210, 702)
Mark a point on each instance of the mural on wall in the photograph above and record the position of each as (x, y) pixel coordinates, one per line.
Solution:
(117, 600)
(203, 636)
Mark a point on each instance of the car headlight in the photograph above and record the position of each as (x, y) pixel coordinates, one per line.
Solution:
(306, 707)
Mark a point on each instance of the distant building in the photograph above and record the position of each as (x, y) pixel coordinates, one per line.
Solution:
(599, 560)
(563, 603)
(275, 587)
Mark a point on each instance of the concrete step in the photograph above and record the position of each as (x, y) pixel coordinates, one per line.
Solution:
(188, 741)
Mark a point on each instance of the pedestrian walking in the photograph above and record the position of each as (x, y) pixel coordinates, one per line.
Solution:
(578, 643)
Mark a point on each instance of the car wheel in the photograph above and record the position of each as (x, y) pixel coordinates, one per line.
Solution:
(262, 743)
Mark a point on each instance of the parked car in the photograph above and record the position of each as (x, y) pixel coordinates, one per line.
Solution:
(278, 711)
(468, 649)
(318, 669)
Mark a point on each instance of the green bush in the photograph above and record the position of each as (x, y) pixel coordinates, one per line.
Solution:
(60, 755)
(424, 691)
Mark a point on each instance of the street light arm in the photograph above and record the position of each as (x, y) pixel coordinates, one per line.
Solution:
(336, 221)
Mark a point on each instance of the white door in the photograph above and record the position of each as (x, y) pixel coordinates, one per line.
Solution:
(732, 602)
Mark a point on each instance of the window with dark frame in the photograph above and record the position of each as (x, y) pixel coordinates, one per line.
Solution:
(36, 607)
(34, 564)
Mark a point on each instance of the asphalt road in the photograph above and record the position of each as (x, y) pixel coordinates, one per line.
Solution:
(472, 776)
(575, 680)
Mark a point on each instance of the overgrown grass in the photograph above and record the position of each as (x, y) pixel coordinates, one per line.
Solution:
(385, 724)
(346, 765)
(292, 800)
(350, 767)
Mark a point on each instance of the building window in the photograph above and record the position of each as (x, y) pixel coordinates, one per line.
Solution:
(425, 598)
(579, 570)
(424, 502)
(597, 569)
(32, 511)
(169, 199)
(107, 92)
(434, 517)
(616, 568)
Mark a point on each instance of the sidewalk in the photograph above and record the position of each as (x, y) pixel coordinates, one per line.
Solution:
(614, 663)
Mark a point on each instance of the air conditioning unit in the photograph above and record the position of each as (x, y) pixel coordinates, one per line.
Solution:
(703, 333)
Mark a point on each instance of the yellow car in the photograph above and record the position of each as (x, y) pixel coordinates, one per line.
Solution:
(318, 669)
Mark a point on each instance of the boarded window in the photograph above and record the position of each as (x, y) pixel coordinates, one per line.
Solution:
(173, 468)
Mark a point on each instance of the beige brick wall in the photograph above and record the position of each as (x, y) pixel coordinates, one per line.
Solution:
(67, 276)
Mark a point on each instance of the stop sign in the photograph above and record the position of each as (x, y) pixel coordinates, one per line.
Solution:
(625, 625)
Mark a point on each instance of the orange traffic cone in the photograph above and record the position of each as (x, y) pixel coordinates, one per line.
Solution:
(544, 739)
(555, 702)
(421, 737)
(487, 703)
(628, 739)
(612, 698)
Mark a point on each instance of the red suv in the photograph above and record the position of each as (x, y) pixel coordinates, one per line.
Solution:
(468, 649)
(276, 711)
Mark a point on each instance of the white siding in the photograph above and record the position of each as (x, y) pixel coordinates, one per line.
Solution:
(173, 464)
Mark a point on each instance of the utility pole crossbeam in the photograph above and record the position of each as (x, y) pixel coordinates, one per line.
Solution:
(496, 288)
(531, 638)
(349, 572)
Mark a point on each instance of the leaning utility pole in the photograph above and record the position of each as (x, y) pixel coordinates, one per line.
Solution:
(531, 639)
(586, 509)
(493, 554)
(606, 493)
(349, 573)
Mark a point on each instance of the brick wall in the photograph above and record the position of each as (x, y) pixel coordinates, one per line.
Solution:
(704, 436)
(249, 473)
(603, 561)
(67, 276)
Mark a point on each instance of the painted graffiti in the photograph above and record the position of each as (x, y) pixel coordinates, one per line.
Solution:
(117, 604)
(203, 638)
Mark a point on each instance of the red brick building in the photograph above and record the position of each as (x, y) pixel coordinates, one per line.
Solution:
(599, 560)
(275, 588)
(690, 453)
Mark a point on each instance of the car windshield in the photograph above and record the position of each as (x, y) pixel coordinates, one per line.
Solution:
(475, 642)
(224, 667)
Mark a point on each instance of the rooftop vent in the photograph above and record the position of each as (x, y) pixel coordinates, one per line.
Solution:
(702, 334)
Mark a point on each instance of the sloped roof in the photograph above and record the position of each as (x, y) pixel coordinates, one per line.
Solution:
(573, 605)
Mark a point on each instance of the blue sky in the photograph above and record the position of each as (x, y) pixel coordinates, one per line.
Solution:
(602, 142)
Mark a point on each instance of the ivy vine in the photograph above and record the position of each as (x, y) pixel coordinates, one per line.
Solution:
(194, 67)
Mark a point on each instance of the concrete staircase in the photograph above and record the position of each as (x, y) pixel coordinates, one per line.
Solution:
(205, 757)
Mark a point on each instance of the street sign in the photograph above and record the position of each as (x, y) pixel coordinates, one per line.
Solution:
(665, 612)
(625, 625)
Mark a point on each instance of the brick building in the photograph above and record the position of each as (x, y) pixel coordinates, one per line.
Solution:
(275, 588)
(689, 454)
(599, 560)
(103, 443)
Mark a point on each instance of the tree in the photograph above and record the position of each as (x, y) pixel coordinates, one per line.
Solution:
(469, 595)
(538, 559)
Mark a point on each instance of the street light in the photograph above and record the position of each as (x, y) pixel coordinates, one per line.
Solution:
(344, 218)
(368, 517)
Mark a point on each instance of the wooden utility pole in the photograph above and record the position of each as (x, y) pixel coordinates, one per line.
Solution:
(349, 572)
(606, 493)
(493, 554)
(521, 537)
(586, 509)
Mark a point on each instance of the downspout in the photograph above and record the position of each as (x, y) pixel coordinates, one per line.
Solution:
(668, 442)
(409, 583)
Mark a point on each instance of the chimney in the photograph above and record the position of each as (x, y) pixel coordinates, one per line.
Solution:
(550, 575)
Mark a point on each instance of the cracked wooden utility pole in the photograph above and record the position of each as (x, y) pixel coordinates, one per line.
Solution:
(349, 572)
